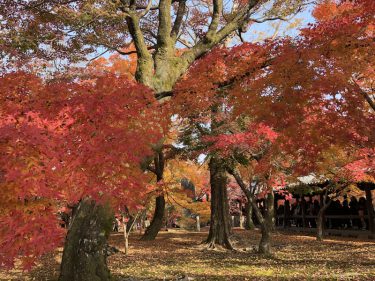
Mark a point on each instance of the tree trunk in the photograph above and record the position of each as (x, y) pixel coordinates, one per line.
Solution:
(265, 220)
(157, 220)
(84, 257)
(126, 236)
(370, 211)
(249, 217)
(270, 211)
(320, 221)
(219, 224)
(267, 225)
(265, 240)
(129, 223)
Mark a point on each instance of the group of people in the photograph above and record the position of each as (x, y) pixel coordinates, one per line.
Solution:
(339, 214)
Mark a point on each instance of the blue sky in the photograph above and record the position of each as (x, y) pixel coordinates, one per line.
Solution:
(259, 31)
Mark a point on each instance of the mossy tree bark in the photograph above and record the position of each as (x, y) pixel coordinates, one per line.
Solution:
(84, 257)
(219, 225)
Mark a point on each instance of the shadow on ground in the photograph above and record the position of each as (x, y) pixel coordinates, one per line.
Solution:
(179, 255)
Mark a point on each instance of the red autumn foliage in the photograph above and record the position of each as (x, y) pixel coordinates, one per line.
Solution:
(65, 141)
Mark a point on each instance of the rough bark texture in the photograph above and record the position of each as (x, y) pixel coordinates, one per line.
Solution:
(267, 226)
(320, 219)
(220, 224)
(84, 257)
(157, 221)
(265, 240)
(370, 211)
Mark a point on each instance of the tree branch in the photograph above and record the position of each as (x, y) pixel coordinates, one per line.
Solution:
(267, 19)
(164, 30)
(144, 60)
(249, 195)
(213, 38)
(217, 10)
(146, 10)
(179, 17)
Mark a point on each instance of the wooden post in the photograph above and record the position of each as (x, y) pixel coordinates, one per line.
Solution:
(198, 224)
(241, 216)
(241, 221)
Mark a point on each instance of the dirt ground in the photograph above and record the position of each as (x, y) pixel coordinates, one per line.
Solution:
(179, 255)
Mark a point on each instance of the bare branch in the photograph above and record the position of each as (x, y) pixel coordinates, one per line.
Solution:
(145, 11)
(133, 52)
(99, 55)
(213, 38)
(183, 42)
(267, 19)
(152, 8)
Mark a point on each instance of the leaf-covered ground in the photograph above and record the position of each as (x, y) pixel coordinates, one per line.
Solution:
(178, 254)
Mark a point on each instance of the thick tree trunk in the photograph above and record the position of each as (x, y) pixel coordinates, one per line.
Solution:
(220, 224)
(157, 221)
(249, 217)
(370, 211)
(267, 225)
(320, 221)
(84, 257)
(265, 240)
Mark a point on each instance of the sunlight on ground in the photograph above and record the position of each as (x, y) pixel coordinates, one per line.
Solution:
(180, 253)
